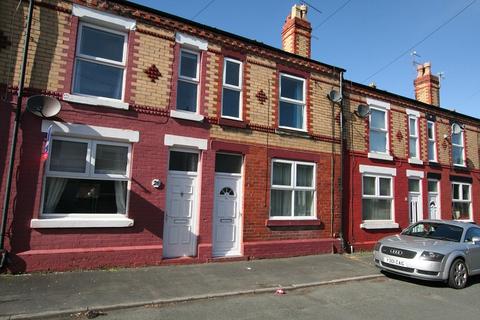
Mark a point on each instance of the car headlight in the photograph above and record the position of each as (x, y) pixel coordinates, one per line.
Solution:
(377, 246)
(432, 256)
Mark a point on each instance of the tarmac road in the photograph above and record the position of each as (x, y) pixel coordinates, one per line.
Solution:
(381, 298)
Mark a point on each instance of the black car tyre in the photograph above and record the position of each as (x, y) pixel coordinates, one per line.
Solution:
(458, 275)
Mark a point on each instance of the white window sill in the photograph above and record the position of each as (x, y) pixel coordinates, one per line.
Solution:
(379, 225)
(459, 165)
(96, 101)
(299, 130)
(380, 156)
(67, 222)
(185, 115)
(415, 161)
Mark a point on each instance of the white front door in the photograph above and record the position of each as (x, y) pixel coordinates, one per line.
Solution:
(179, 238)
(433, 200)
(414, 200)
(415, 207)
(227, 217)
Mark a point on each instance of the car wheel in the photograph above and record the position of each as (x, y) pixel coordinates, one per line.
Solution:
(458, 275)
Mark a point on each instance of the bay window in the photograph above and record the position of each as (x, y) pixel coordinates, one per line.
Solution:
(461, 201)
(292, 109)
(86, 178)
(292, 189)
(232, 89)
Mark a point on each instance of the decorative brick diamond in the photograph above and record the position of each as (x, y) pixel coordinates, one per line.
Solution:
(399, 135)
(261, 96)
(153, 73)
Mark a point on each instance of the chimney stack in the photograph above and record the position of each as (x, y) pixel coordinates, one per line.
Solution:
(427, 85)
(297, 32)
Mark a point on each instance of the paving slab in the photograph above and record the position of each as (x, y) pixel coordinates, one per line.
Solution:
(40, 294)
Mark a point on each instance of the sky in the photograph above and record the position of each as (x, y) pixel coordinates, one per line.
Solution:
(365, 36)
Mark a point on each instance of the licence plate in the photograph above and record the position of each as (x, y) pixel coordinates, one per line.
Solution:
(394, 261)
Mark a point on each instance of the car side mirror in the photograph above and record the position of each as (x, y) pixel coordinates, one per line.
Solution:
(476, 240)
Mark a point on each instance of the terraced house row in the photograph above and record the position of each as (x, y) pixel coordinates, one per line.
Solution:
(181, 143)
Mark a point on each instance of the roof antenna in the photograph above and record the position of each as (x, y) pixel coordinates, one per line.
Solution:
(441, 76)
(415, 55)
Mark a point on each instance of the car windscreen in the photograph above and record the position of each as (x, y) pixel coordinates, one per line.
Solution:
(439, 231)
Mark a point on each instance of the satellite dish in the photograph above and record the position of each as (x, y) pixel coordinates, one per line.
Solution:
(43, 106)
(363, 110)
(334, 96)
(456, 128)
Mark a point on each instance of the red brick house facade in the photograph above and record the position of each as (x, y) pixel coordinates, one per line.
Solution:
(175, 142)
(180, 143)
(426, 166)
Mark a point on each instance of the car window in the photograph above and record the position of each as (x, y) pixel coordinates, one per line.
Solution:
(472, 232)
(439, 231)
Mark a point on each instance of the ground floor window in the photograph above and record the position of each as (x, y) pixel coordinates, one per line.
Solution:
(292, 189)
(461, 201)
(86, 177)
(376, 198)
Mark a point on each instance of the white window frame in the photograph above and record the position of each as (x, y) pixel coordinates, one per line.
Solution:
(432, 141)
(292, 187)
(195, 81)
(385, 108)
(377, 195)
(302, 103)
(461, 200)
(97, 60)
(416, 159)
(381, 172)
(462, 139)
(84, 220)
(232, 87)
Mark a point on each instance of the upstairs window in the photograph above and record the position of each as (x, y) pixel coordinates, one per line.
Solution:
(232, 89)
(188, 81)
(293, 189)
(378, 131)
(100, 62)
(413, 145)
(461, 201)
(458, 149)
(432, 147)
(292, 103)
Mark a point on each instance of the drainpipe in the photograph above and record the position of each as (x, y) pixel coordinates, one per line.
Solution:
(18, 113)
(342, 159)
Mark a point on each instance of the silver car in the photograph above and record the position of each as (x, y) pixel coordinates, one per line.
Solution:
(438, 250)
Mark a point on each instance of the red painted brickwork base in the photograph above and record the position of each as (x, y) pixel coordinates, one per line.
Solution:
(137, 256)
(291, 248)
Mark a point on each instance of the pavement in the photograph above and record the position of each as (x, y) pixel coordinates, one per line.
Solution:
(45, 295)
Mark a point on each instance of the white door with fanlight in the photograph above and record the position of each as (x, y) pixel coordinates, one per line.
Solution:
(433, 199)
(415, 208)
(179, 235)
(227, 216)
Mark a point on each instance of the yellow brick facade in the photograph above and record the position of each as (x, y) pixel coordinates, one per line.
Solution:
(155, 44)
